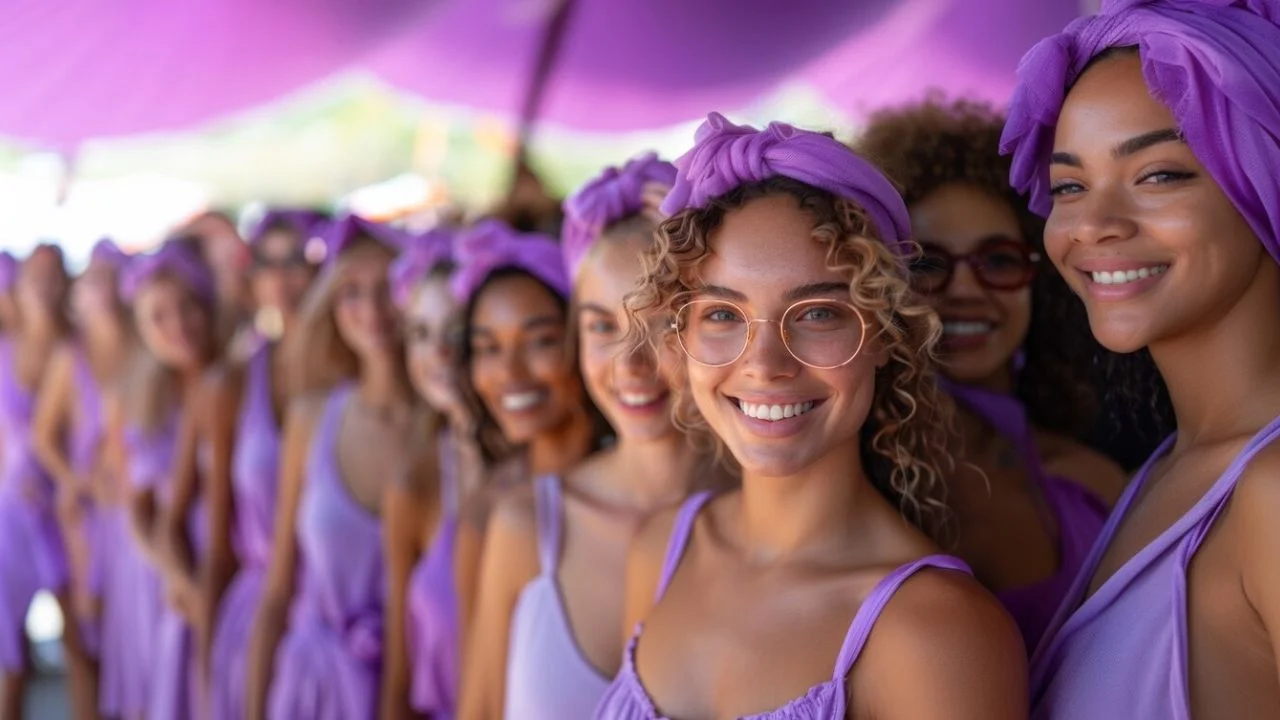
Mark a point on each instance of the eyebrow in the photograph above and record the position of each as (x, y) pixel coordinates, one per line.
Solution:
(592, 307)
(1132, 146)
(722, 292)
(543, 321)
(812, 290)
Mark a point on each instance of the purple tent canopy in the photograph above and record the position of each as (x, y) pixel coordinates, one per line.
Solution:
(79, 69)
(964, 47)
(622, 65)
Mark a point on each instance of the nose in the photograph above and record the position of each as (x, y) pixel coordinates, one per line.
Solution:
(635, 361)
(766, 355)
(1103, 215)
(964, 283)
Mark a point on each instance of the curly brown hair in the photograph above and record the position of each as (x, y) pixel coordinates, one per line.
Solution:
(904, 439)
(935, 143)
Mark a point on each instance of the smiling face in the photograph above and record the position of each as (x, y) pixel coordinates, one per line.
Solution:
(280, 272)
(982, 326)
(172, 323)
(1139, 229)
(42, 285)
(775, 414)
(521, 366)
(627, 384)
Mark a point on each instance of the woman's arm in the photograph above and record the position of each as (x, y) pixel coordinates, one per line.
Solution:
(52, 418)
(221, 392)
(181, 571)
(510, 563)
(408, 518)
(269, 626)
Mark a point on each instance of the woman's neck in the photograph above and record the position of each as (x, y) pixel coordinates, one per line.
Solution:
(382, 385)
(659, 472)
(556, 451)
(1221, 377)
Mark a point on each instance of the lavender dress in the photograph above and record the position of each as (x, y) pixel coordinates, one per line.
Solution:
(627, 699)
(84, 445)
(132, 600)
(254, 480)
(1122, 652)
(432, 606)
(329, 662)
(31, 551)
(1077, 513)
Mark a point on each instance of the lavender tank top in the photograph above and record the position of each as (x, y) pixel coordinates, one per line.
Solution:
(21, 470)
(1078, 514)
(433, 606)
(343, 581)
(627, 699)
(548, 676)
(1122, 653)
(86, 433)
(255, 465)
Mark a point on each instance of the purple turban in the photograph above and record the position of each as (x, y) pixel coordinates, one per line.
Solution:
(8, 271)
(614, 195)
(305, 223)
(425, 253)
(338, 234)
(108, 253)
(173, 259)
(1214, 63)
(492, 245)
(725, 156)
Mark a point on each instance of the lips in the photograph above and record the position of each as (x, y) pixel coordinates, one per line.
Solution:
(522, 401)
(1120, 277)
(773, 412)
(641, 399)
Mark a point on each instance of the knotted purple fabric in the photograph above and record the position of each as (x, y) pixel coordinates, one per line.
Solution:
(107, 252)
(8, 271)
(616, 194)
(306, 223)
(172, 259)
(341, 232)
(425, 253)
(492, 245)
(725, 156)
(1214, 63)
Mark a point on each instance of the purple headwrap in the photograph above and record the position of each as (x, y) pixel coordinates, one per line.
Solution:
(305, 223)
(174, 259)
(8, 271)
(1214, 63)
(725, 156)
(612, 196)
(340, 233)
(492, 245)
(108, 253)
(424, 254)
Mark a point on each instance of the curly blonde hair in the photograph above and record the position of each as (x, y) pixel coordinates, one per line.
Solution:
(904, 440)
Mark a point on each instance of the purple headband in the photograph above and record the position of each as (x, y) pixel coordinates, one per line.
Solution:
(424, 254)
(612, 196)
(108, 253)
(305, 223)
(174, 259)
(725, 156)
(492, 245)
(8, 271)
(340, 233)
(1214, 63)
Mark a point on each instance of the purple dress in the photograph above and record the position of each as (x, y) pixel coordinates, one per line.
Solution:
(1077, 513)
(254, 481)
(329, 662)
(84, 446)
(627, 699)
(31, 552)
(432, 607)
(548, 676)
(1122, 652)
(132, 600)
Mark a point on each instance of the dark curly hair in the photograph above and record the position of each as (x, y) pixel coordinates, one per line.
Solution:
(938, 142)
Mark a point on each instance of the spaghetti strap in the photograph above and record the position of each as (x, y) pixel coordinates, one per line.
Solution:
(549, 510)
(680, 532)
(880, 595)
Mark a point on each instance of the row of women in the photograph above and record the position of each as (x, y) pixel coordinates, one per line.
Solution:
(780, 430)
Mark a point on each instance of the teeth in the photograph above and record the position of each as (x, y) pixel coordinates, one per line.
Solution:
(1119, 277)
(516, 402)
(638, 399)
(966, 327)
(774, 412)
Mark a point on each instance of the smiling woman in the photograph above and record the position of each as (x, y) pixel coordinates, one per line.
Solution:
(805, 356)
(1142, 133)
